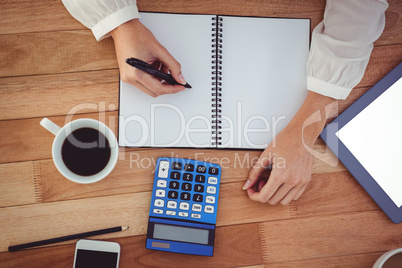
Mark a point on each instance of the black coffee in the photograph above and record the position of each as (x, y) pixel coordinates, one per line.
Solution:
(85, 151)
(394, 262)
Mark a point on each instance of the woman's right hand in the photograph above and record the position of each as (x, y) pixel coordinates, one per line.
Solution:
(134, 40)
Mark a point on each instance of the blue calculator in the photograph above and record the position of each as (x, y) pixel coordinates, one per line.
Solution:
(184, 203)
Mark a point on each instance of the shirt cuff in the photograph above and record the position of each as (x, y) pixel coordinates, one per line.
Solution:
(327, 89)
(102, 29)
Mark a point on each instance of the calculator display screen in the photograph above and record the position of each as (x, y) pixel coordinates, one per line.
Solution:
(181, 234)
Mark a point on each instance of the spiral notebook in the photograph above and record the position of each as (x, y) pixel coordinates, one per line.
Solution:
(248, 78)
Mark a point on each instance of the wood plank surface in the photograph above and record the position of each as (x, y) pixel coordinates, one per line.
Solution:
(355, 261)
(101, 88)
(134, 172)
(340, 194)
(333, 193)
(47, 16)
(242, 249)
(18, 16)
(22, 140)
(50, 52)
(51, 66)
(18, 184)
(329, 236)
(81, 215)
(60, 94)
(30, 223)
(30, 141)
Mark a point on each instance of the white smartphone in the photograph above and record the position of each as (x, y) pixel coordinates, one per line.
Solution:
(93, 253)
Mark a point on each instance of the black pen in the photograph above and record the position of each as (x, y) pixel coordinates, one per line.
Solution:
(66, 238)
(148, 68)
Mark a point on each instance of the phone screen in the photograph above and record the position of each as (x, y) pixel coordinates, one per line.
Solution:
(99, 259)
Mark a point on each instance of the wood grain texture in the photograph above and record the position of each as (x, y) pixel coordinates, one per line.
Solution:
(239, 251)
(48, 16)
(54, 52)
(330, 236)
(51, 66)
(17, 184)
(333, 193)
(59, 94)
(22, 140)
(230, 250)
(192, 7)
(22, 224)
(77, 92)
(133, 172)
(341, 195)
(386, 56)
(392, 33)
(51, 52)
(355, 261)
(22, 16)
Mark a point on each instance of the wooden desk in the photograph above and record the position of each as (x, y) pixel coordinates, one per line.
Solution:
(50, 65)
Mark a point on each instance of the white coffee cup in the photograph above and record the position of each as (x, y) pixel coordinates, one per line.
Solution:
(387, 256)
(62, 133)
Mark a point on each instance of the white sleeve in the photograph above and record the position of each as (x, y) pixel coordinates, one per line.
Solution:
(102, 16)
(341, 45)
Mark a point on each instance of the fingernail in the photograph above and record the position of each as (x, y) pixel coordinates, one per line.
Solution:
(246, 185)
(182, 80)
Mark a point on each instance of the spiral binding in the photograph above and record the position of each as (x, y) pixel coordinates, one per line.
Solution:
(217, 23)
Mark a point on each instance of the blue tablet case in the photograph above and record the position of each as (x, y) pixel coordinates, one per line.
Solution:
(348, 159)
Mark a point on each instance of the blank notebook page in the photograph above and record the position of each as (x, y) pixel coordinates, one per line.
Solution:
(261, 95)
(170, 120)
(374, 138)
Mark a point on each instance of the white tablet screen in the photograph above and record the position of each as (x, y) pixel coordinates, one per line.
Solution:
(374, 137)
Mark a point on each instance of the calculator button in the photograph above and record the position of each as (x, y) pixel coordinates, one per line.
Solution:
(183, 214)
(189, 167)
(210, 199)
(158, 211)
(161, 183)
(163, 169)
(187, 177)
(171, 212)
(209, 209)
(197, 198)
(174, 185)
(212, 180)
(173, 194)
(201, 169)
(172, 204)
(176, 165)
(175, 175)
(159, 203)
(185, 196)
(160, 193)
(196, 216)
(200, 178)
(184, 206)
(186, 186)
(213, 171)
(211, 190)
(197, 207)
(199, 188)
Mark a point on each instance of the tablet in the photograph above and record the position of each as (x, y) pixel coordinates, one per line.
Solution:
(367, 139)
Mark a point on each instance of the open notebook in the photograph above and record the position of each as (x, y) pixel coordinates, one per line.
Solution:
(248, 78)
